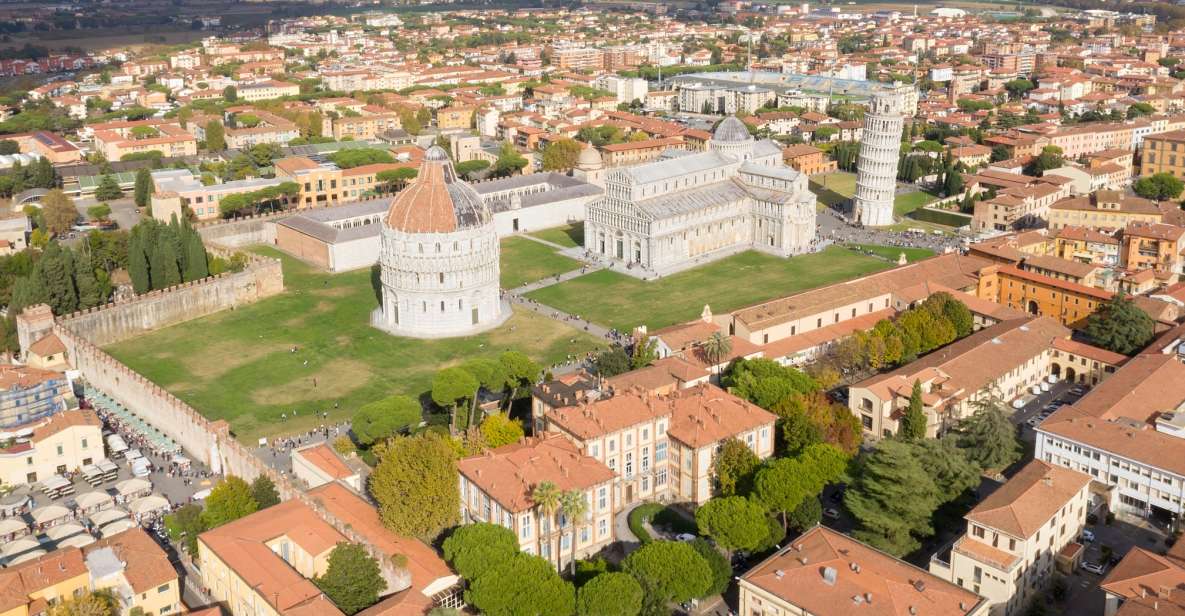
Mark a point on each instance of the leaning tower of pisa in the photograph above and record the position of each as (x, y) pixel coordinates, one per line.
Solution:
(876, 170)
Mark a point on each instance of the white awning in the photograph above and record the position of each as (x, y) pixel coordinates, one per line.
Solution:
(108, 516)
(89, 501)
(132, 486)
(148, 504)
(49, 513)
(115, 528)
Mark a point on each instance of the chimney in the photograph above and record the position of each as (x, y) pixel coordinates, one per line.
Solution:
(1048, 481)
(829, 576)
(919, 585)
(779, 574)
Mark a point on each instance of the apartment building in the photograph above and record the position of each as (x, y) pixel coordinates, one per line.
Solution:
(29, 394)
(1164, 153)
(638, 152)
(662, 447)
(366, 124)
(1145, 582)
(1128, 433)
(1086, 245)
(1103, 210)
(826, 572)
(1153, 246)
(268, 89)
(808, 159)
(1000, 361)
(1017, 535)
(179, 191)
(497, 487)
(270, 129)
(120, 138)
(1068, 302)
(325, 184)
(1018, 206)
(571, 57)
(59, 444)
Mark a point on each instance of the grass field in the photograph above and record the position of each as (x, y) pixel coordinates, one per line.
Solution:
(892, 252)
(834, 188)
(570, 236)
(617, 300)
(907, 203)
(526, 261)
(238, 365)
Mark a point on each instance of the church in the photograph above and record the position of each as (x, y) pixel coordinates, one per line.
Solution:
(690, 208)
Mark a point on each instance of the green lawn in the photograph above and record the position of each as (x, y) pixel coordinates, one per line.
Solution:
(526, 261)
(892, 252)
(834, 188)
(570, 236)
(905, 204)
(237, 365)
(617, 300)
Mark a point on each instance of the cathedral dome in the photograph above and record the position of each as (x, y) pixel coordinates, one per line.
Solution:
(437, 201)
(589, 158)
(731, 130)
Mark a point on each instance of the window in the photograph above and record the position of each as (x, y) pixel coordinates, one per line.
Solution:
(660, 452)
(602, 498)
(602, 528)
(60, 450)
(164, 588)
(525, 531)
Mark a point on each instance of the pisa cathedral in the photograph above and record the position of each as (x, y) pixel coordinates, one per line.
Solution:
(690, 208)
(439, 258)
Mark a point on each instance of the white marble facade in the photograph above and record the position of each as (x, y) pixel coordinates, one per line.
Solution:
(686, 209)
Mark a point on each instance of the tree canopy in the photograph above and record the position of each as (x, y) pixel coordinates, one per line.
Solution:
(229, 500)
(988, 437)
(913, 422)
(383, 418)
(415, 484)
(733, 522)
(472, 549)
(610, 594)
(353, 580)
(735, 465)
(500, 429)
(523, 585)
(1159, 186)
(263, 490)
(561, 154)
(669, 571)
(1120, 326)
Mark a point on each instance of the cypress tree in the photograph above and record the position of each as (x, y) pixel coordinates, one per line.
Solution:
(163, 266)
(196, 266)
(89, 293)
(57, 268)
(138, 264)
(913, 422)
(143, 193)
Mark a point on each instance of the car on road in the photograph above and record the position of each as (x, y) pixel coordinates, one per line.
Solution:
(1087, 535)
(1033, 421)
(831, 513)
(1096, 568)
(685, 537)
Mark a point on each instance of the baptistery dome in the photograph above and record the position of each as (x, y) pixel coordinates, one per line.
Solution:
(439, 258)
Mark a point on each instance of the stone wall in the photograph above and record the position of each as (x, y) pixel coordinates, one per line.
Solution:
(116, 321)
(241, 231)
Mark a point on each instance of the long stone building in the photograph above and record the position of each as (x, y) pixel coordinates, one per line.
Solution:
(690, 208)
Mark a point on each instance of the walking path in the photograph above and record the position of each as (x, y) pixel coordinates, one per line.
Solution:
(554, 245)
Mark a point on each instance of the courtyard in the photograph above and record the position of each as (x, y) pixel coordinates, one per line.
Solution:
(622, 302)
(311, 349)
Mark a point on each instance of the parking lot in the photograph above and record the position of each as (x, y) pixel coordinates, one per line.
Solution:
(1041, 406)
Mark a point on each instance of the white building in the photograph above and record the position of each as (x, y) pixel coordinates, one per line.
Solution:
(627, 89)
(1128, 433)
(439, 258)
(880, 149)
(1016, 536)
(690, 208)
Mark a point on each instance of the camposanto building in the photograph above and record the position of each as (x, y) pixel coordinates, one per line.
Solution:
(439, 258)
(688, 208)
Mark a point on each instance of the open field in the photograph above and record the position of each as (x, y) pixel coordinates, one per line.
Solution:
(892, 252)
(106, 38)
(837, 188)
(904, 204)
(238, 365)
(568, 235)
(617, 300)
(525, 261)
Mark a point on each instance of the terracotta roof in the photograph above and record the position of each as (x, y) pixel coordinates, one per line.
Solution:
(1065, 285)
(436, 201)
(24, 377)
(1086, 234)
(19, 581)
(65, 420)
(425, 566)
(242, 546)
(146, 565)
(1151, 583)
(706, 414)
(867, 581)
(1028, 499)
(47, 345)
(325, 459)
(684, 335)
(1076, 269)
(509, 474)
(1088, 351)
(1155, 231)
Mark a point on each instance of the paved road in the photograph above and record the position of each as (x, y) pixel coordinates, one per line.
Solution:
(123, 211)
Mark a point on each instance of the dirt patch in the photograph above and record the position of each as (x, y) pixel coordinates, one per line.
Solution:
(332, 380)
(222, 357)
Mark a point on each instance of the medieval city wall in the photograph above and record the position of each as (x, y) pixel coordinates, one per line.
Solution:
(117, 321)
(240, 232)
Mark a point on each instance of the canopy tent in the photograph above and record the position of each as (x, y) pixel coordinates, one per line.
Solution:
(116, 527)
(64, 531)
(15, 501)
(89, 502)
(11, 527)
(49, 514)
(148, 505)
(24, 544)
(76, 541)
(30, 555)
(108, 516)
(134, 487)
(133, 422)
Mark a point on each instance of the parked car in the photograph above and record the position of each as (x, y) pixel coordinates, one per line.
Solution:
(1035, 390)
(685, 537)
(1087, 535)
(831, 513)
(1094, 568)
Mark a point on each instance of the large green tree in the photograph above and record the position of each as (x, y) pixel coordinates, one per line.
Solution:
(500, 429)
(610, 594)
(765, 382)
(58, 211)
(215, 136)
(988, 437)
(1120, 326)
(263, 490)
(913, 421)
(523, 585)
(472, 549)
(381, 419)
(717, 563)
(229, 500)
(453, 388)
(733, 522)
(1159, 186)
(353, 579)
(735, 465)
(783, 484)
(668, 571)
(143, 192)
(415, 485)
(108, 189)
(560, 155)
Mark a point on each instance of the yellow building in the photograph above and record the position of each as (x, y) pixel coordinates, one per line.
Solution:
(1069, 302)
(1164, 153)
(1153, 246)
(1105, 209)
(262, 565)
(454, 117)
(64, 442)
(267, 89)
(118, 139)
(136, 571)
(31, 587)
